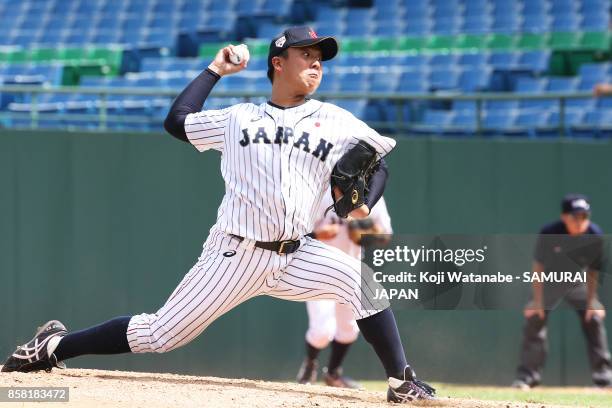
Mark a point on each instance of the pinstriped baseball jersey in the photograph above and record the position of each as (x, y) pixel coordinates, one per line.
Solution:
(276, 162)
(276, 165)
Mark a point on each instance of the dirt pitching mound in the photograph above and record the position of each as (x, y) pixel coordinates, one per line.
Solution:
(98, 388)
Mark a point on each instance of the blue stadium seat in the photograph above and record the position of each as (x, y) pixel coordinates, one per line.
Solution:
(62, 8)
(189, 22)
(596, 123)
(386, 82)
(23, 39)
(437, 118)
(527, 122)
(77, 38)
(418, 28)
(50, 38)
(501, 105)
(30, 22)
(161, 23)
(261, 83)
(447, 25)
(107, 23)
(464, 106)
(132, 23)
(595, 22)
(473, 59)
(359, 16)
(356, 60)
(355, 106)
(389, 6)
(86, 7)
(164, 8)
(269, 30)
(504, 59)
(562, 84)
(248, 6)
(357, 30)
(261, 64)
(537, 60)
(536, 7)
(498, 122)
(441, 61)
(534, 85)
(388, 29)
(583, 104)
(531, 85)
(604, 103)
(531, 118)
(443, 79)
(416, 62)
(392, 60)
(277, 8)
(476, 24)
(223, 22)
(599, 117)
(597, 72)
(55, 24)
(565, 23)
(413, 85)
(178, 82)
(505, 19)
(463, 123)
(475, 79)
(116, 7)
(330, 84)
(572, 117)
(105, 37)
(563, 7)
(587, 84)
(354, 82)
(330, 14)
(535, 24)
(414, 76)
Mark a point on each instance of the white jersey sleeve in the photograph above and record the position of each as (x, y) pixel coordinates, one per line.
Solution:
(206, 129)
(380, 216)
(382, 144)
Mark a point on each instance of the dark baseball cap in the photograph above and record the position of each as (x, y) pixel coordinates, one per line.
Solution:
(575, 203)
(301, 37)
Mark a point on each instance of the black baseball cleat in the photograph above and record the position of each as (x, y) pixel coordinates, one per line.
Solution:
(308, 372)
(409, 389)
(33, 356)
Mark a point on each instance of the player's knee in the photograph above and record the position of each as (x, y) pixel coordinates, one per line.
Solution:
(347, 332)
(146, 335)
(320, 337)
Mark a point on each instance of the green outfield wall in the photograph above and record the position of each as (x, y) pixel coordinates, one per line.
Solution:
(98, 225)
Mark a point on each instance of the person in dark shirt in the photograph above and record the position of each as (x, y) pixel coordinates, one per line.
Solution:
(573, 244)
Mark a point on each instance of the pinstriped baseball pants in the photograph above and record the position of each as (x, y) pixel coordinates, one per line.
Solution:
(229, 272)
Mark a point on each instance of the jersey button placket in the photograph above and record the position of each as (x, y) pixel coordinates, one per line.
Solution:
(286, 172)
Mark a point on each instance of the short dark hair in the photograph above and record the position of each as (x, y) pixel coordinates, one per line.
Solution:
(283, 54)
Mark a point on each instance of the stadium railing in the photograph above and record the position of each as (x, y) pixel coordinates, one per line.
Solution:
(100, 120)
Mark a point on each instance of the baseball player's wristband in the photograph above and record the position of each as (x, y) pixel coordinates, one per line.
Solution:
(189, 101)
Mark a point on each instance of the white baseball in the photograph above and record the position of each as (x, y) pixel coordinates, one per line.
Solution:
(239, 54)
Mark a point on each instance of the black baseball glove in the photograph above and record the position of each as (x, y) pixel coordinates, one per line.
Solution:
(350, 176)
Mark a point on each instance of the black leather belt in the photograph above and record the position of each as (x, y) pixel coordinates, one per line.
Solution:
(280, 247)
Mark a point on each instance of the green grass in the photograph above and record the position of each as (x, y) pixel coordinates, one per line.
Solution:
(570, 396)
